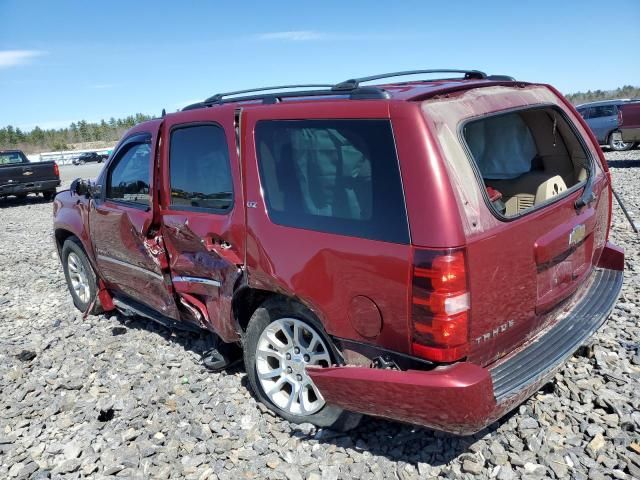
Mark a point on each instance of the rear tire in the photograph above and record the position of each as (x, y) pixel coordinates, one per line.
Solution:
(266, 326)
(80, 277)
(21, 196)
(616, 144)
(49, 195)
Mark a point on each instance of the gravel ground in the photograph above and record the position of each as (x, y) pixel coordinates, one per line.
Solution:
(106, 396)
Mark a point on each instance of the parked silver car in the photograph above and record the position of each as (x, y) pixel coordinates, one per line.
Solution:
(603, 119)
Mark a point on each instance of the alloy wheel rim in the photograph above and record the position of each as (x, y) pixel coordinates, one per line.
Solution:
(284, 350)
(618, 144)
(78, 277)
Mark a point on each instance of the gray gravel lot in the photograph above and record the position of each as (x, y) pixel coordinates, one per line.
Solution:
(107, 395)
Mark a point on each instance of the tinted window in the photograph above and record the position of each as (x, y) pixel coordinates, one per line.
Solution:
(11, 157)
(199, 167)
(602, 111)
(129, 179)
(337, 176)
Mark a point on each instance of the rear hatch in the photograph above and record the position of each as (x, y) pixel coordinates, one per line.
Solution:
(519, 160)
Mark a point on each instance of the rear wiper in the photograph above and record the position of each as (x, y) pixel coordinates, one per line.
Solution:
(587, 194)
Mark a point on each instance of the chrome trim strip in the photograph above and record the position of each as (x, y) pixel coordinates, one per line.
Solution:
(203, 281)
(150, 273)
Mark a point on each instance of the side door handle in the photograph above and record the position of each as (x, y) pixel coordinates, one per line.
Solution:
(223, 248)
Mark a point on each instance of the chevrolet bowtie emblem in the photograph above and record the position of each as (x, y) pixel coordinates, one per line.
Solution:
(27, 173)
(577, 234)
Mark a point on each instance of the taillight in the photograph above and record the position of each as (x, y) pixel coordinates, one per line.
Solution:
(56, 170)
(440, 305)
(619, 117)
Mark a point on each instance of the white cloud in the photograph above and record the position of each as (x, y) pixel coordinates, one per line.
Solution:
(294, 36)
(12, 58)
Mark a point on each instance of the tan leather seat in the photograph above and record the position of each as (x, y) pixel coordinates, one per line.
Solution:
(549, 189)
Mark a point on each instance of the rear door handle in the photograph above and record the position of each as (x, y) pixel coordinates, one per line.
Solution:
(223, 248)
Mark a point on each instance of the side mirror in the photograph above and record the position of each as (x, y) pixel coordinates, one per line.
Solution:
(81, 188)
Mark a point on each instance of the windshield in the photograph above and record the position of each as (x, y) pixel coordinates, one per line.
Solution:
(10, 157)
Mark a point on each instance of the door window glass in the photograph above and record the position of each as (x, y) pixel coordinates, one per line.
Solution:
(336, 176)
(199, 168)
(129, 178)
(603, 111)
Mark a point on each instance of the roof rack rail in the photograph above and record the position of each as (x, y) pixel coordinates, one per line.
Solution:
(351, 87)
(219, 96)
(355, 82)
(361, 93)
(506, 78)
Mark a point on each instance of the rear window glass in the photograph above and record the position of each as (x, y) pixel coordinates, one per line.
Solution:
(336, 176)
(526, 158)
(10, 157)
(199, 168)
(502, 146)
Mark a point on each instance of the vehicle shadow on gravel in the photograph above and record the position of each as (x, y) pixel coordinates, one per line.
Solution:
(396, 441)
(198, 343)
(12, 202)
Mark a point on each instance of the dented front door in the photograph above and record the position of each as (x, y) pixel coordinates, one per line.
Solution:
(202, 215)
(128, 250)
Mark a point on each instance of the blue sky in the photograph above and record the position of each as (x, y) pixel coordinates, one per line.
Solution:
(69, 60)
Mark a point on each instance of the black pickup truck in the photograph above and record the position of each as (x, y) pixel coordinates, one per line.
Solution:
(19, 177)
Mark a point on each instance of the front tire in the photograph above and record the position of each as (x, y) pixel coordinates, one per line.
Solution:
(616, 143)
(80, 277)
(281, 339)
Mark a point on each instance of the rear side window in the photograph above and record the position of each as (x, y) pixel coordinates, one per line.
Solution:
(11, 157)
(335, 176)
(199, 168)
(603, 111)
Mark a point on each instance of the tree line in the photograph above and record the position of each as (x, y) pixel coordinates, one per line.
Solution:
(55, 139)
(627, 91)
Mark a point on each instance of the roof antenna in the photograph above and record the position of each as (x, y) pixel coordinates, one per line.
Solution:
(164, 112)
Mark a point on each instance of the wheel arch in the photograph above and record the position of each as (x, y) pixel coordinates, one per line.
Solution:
(607, 138)
(61, 235)
(246, 300)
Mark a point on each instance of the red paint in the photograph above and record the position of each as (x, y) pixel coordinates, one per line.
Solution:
(365, 317)
(612, 257)
(515, 272)
(193, 239)
(629, 121)
(457, 399)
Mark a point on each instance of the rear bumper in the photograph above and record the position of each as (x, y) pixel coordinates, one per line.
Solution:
(630, 134)
(464, 398)
(28, 187)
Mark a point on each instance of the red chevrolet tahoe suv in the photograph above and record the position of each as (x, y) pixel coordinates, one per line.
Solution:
(429, 251)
